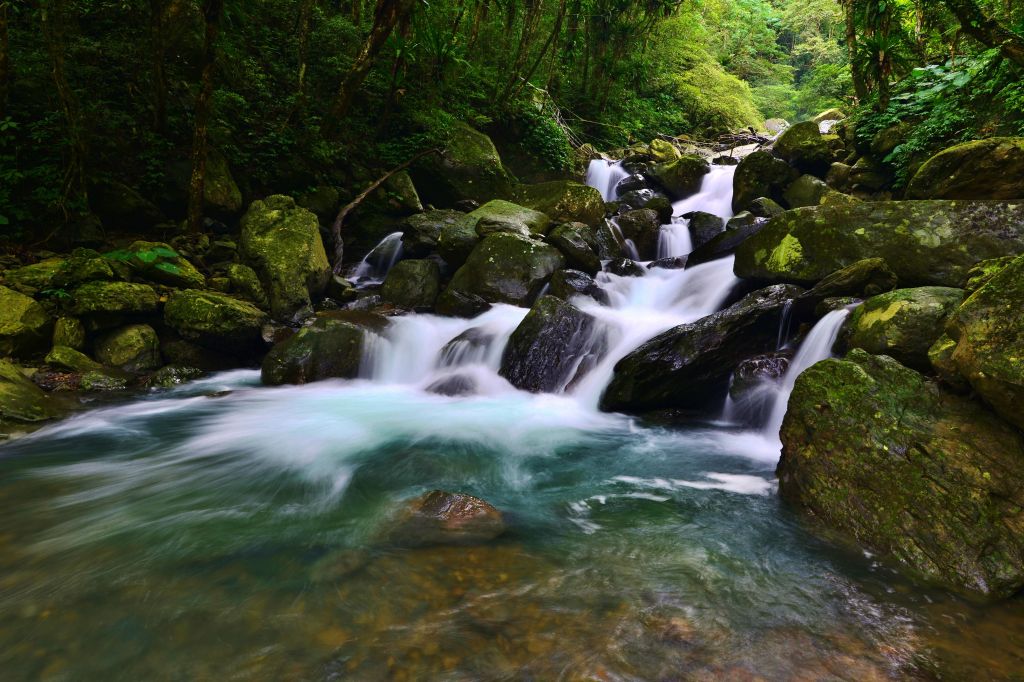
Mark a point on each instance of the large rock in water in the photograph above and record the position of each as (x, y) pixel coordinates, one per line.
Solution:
(578, 243)
(503, 268)
(564, 201)
(504, 216)
(468, 168)
(330, 348)
(989, 333)
(215, 320)
(20, 399)
(903, 323)
(421, 232)
(544, 352)
(281, 241)
(412, 284)
(24, 325)
(134, 348)
(760, 175)
(802, 146)
(685, 366)
(681, 177)
(924, 242)
(984, 169)
(934, 480)
(439, 518)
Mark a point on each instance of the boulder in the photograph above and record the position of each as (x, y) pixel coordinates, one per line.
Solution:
(776, 125)
(887, 139)
(35, 277)
(663, 151)
(69, 332)
(281, 241)
(868, 176)
(931, 479)
(940, 357)
(829, 115)
(578, 243)
(924, 242)
(555, 343)
(468, 168)
(806, 190)
(503, 268)
(757, 371)
(983, 169)
(802, 146)
(62, 357)
(703, 227)
(985, 270)
(134, 348)
(642, 198)
(215, 320)
(687, 365)
(610, 243)
(25, 327)
(20, 399)
(412, 284)
(867, 277)
(113, 298)
(989, 333)
(564, 201)
(120, 207)
(903, 323)
(421, 232)
(738, 230)
(760, 175)
(643, 227)
(330, 348)
(625, 267)
(246, 283)
(681, 177)
(568, 283)
(158, 262)
(457, 240)
(443, 518)
(84, 265)
(504, 216)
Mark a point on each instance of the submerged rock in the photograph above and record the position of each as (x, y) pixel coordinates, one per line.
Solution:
(330, 348)
(643, 227)
(215, 320)
(924, 242)
(687, 365)
(757, 371)
(760, 175)
(412, 284)
(983, 169)
(564, 201)
(25, 327)
(931, 479)
(442, 518)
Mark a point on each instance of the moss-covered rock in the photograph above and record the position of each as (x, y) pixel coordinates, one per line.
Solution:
(70, 332)
(134, 348)
(829, 115)
(246, 283)
(34, 277)
(983, 271)
(221, 196)
(872, 449)
(566, 284)
(564, 201)
(685, 366)
(903, 323)
(20, 399)
(468, 168)
(940, 357)
(25, 327)
(643, 227)
(578, 244)
(71, 360)
(739, 229)
(867, 277)
(282, 243)
(174, 375)
(989, 333)
(802, 146)
(504, 216)
(412, 284)
(330, 348)
(760, 175)
(983, 169)
(421, 232)
(681, 177)
(457, 238)
(763, 207)
(158, 262)
(83, 265)
(215, 320)
(663, 151)
(924, 242)
(806, 190)
(503, 268)
(118, 298)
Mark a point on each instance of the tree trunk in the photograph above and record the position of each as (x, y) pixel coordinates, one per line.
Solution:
(547, 45)
(860, 87)
(385, 18)
(5, 57)
(212, 11)
(158, 45)
(987, 31)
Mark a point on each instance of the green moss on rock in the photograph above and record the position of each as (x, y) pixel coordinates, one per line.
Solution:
(412, 284)
(504, 216)
(681, 177)
(330, 348)
(565, 201)
(760, 175)
(983, 169)
(113, 298)
(215, 320)
(20, 399)
(134, 348)
(25, 327)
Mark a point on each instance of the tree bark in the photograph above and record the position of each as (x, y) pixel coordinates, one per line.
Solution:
(212, 11)
(860, 87)
(158, 45)
(5, 57)
(987, 31)
(555, 31)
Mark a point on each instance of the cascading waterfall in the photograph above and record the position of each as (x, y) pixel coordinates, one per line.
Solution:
(714, 196)
(375, 266)
(604, 176)
(674, 240)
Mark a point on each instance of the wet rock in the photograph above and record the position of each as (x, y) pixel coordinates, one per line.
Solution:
(670, 263)
(25, 327)
(20, 399)
(215, 320)
(112, 298)
(174, 375)
(739, 229)
(663, 151)
(103, 380)
(867, 277)
(643, 227)
(457, 240)
(544, 352)
(982, 272)
(983, 169)
(70, 332)
(760, 175)
(62, 357)
(806, 190)
(412, 284)
(872, 449)
(330, 348)
(341, 290)
(940, 357)
(924, 242)
(504, 216)
(421, 232)
(681, 177)
(568, 283)
(641, 198)
(503, 268)
(134, 348)
(803, 147)
(578, 244)
(632, 182)
(685, 366)
(282, 243)
(453, 386)
(443, 518)
(564, 201)
(610, 243)
(246, 283)
(756, 371)
(624, 267)
(704, 227)
(469, 168)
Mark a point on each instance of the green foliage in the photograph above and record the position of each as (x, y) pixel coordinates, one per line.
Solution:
(543, 137)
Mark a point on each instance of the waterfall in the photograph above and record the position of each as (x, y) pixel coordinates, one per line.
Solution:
(604, 176)
(674, 240)
(374, 267)
(714, 196)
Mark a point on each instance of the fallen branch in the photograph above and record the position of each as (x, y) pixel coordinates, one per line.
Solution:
(339, 244)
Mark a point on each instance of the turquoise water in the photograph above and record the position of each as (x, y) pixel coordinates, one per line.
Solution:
(227, 531)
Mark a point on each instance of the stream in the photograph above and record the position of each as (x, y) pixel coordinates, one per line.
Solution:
(225, 530)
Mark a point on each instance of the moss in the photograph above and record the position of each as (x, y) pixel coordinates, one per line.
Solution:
(329, 348)
(681, 177)
(25, 327)
(70, 332)
(504, 216)
(412, 284)
(20, 399)
(983, 169)
(72, 360)
(564, 201)
(134, 348)
(113, 297)
(215, 320)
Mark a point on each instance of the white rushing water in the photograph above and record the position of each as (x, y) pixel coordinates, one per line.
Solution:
(714, 196)
(375, 266)
(604, 176)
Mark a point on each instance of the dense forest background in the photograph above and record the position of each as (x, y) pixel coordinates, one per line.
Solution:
(294, 94)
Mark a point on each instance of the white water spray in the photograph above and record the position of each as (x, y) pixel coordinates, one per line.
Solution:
(604, 176)
(375, 266)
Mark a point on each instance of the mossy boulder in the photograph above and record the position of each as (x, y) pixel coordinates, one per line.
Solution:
(983, 169)
(134, 348)
(421, 232)
(503, 268)
(983, 271)
(806, 190)
(802, 146)
(282, 243)
(940, 357)
(174, 375)
(763, 207)
(70, 332)
(221, 196)
(330, 348)
(663, 151)
(829, 115)
(20, 399)
(25, 326)
(642, 226)
(412, 284)
(34, 277)
(215, 320)
(681, 177)
(468, 168)
(867, 277)
(903, 323)
(246, 283)
(989, 333)
(565, 201)
(457, 238)
(113, 298)
(687, 365)
(924, 242)
(760, 175)
(544, 352)
(158, 262)
(504, 216)
(933, 480)
(578, 243)
(71, 360)
(84, 265)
